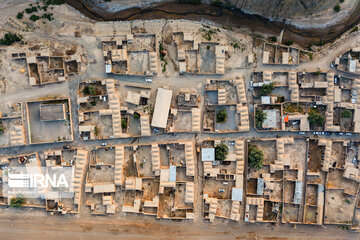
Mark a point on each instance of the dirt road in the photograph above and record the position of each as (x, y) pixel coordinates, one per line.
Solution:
(26, 226)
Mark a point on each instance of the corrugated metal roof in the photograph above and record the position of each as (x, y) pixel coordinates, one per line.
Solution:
(260, 186)
(172, 176)
(162, 107)
(237, 194)
(298, 192)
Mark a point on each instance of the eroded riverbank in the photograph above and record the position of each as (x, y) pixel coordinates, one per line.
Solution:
(227, 17)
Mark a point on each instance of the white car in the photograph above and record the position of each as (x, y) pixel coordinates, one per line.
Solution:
(103, 144)
(148, 80)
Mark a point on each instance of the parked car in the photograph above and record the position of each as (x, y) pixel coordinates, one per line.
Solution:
(103, 144)
(221, 190)
(66, 146)
(348, 134)
(156, 130)
(340, 133)
(301, 133)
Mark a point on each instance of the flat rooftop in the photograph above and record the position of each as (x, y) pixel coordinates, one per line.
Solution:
(52, 112)
(162, 107)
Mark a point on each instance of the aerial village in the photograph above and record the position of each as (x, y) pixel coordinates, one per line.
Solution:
(186, 123)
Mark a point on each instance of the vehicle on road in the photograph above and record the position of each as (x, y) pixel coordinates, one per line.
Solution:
(103, 144)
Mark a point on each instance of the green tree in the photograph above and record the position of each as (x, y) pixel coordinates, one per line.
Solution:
(221, 151)
(136, 116)
(34, 17)
(31, 10)
(236, 45)
(47, 16)
(89, 90)
(273, 38)
(17, 202)
(355, 29)
(289, 42)
(54, 2)
(337, 8)
(96, 131)
(10, 38)
(221, 116)
(315, 118)
(260, 117)
(20, 15)
(123, 123)
(255, 157)
(266, 89)
(161, 47)
(346, 114)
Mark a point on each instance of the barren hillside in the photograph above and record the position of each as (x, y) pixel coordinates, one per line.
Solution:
(301, 13)
(283, 9)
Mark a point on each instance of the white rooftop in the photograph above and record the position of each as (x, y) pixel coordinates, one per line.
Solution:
(265, 100)
(162, 107)
(208, 154)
